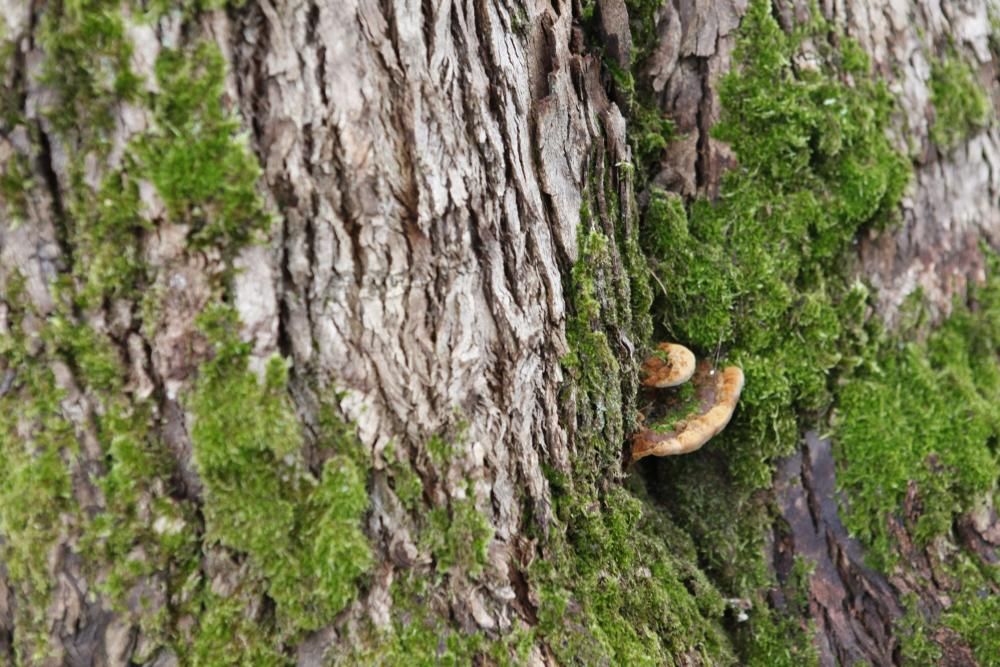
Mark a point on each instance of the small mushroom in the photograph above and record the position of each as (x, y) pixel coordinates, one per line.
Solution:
(670, 365)
(715, 396)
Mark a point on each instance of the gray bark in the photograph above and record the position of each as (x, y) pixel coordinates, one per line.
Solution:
(428, 161)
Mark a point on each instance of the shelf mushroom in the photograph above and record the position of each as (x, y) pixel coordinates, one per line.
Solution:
(670, 365)
(685, 425)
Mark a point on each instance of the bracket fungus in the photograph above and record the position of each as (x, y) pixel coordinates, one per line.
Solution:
(670, 365)
(686, 419)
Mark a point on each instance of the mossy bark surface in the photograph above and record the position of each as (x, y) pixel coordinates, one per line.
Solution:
(321, 325)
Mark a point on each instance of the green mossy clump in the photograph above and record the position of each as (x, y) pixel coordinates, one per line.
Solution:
(650, 132)
(961, 105)
(87, 63)
(782, 638)
(195, 153)
(136, 533)
(915, 645)
(227, 636)
(198, 160)
(302, 531)
(197, 157)
(104, 227)
(975, 616)
(758, 272)
(417, 635)
(591, 361)
(459, 537)
(619, 584)
(759, 277)
(924, 414)
(15, 183)
(775, 639)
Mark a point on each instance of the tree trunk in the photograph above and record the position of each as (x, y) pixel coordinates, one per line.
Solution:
(430, 214)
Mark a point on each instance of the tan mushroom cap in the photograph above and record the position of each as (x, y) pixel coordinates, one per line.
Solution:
(669, 366)
(718, 393)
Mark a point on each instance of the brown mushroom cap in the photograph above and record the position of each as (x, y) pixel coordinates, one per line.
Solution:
(716, 394)
(669, 366)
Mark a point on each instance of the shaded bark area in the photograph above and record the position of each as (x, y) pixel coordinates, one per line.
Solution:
(853, 606)
(693, 51)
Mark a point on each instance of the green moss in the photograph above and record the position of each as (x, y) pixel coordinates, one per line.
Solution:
(683, 405)
(619, 585)
(782, 637)
(758, 273)
(650, 132)
(406, 483)
(616, 580)
(104, 227)
(12, 92)
(38, 447)
(227, 635)
(759, 278)
(778, 641)
(303, 533)
(440, 449)
(975, 616)
(15, 184)
(642, 25)
(308, 554)
(961, 105)
(39, 508)
(972, 612)
(139, 530)
(310, 558)
(915, 645)
(86, 63)
(590, 361)
(418, 635)
(923, 415)
(197, 157)
(458, 537)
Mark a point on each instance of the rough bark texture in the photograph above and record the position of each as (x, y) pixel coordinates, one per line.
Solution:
(428, 168)
(427, 163)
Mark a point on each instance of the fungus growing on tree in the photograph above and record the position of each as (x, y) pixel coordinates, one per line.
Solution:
(670, 365)
(684, 420)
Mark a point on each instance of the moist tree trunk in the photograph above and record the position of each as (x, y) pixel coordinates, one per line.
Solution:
(443, 204)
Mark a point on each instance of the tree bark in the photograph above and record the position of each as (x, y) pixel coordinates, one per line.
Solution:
(425, 164)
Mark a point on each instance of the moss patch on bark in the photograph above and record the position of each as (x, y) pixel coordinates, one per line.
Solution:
(143, 548)
(301, 530)
(922, 416)
(961, 105)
